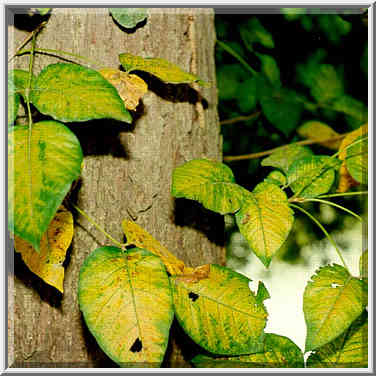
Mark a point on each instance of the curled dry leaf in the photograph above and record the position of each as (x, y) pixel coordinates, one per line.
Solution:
(48, 264)
(130, 87)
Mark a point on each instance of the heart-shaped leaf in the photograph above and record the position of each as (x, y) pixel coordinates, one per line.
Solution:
(161, 68)
(265, 220)
(210, 183)
(41, 167)
(220, 312)
(70, 92)
(48, 264)
(279, 352)
(349, 350)
(129, 17)
(331, 302)
(126, 301)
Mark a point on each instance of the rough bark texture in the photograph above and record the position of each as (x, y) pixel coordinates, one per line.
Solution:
(127, 174)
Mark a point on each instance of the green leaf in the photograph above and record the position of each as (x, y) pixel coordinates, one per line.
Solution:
(307, 73)
(292, 14)
(21, 80)
(357, 160)
(14, 101)
(312, 176)
(276, 177)
(363, 266)
(230, 78)
(246, 95)
(43, 11)
(333, 26)
(40, 175)
(126, 301)
(70, 92)
(129, 17)
(265, 220)
(220, 312)
(254, 32)
(349, 350)
(282, 110)
(161, 68)
(284, 157)
(279, 352)
(327, 84)
(332, 300)
(351, 107)
(262, 293)
(210, 183)
(270, 69)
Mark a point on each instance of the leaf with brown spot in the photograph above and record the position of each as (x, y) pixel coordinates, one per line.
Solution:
(140, 238)
(48, 264)
(130, 87)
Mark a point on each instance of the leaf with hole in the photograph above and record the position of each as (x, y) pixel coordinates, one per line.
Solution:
(129, 17)
(316, 130)
(279, 352)
(312, 176)
(265, 220)
(137, 236)
(48, 263)
(41, 168)
(70, 92)
(210, 183)
(349, 350)
(332, 300)
(161, 68)
(220, 312)
(126, 301)
(285, 156)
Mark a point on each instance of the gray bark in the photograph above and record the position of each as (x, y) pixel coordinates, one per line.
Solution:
(127, 174)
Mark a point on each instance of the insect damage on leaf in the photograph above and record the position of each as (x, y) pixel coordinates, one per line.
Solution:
(130, 87)
(137, 346)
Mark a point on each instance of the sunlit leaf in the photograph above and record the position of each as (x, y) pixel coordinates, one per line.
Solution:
(312, 176)
(210, 183)
(127, 305)
(220, 312)
(253, 32)
(130, 87)
(48, 264)
(332, 300)
(129, 17)
(40, 175)
(279, 352)
(262, 293)
(21, 80)
(363, 265)
(14, 101)
(350, 138)
(137, 236)
(316, 130)
(265, 220)
(276, 177)
(43, 11)
(284, 157)
(357, 160)
(349, 350)
(161, 68)
(292, 14)
(70, 92)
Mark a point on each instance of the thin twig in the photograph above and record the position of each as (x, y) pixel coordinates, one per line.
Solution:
(240, 118)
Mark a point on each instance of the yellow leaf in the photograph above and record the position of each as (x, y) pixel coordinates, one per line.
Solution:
(351, 137)
(193, 275)
(345, 180)
(130, 87)
(140, 238)
(316, 130)
(48, 264)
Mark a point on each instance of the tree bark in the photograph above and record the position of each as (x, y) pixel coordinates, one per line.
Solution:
(127, 174)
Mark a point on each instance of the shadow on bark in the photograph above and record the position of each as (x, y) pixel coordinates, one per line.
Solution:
(193, 214)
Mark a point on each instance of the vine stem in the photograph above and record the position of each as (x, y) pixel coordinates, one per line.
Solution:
(335, 205)
(240, 118)
(48, 51)
(344, 194)
(101, 229)
(232, 158)
(310, 216)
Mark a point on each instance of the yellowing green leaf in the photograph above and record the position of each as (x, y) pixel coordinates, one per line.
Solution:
(130, 87)
(285, 156)
(210, 183)
(357, 160)
(14, 101)
(70, 92)
(161, 68)
(349, 350)
(40, 175)
(142, 239)
(262, 293)
(345, 180)
(220, 312)
(276, 177)
(363, 266)
(48, 263)
(126, 301)
(312, 176)
(316, 130)
(129, 17)
(279, 352)
(331, 302)
(350, 138)
(265, 220)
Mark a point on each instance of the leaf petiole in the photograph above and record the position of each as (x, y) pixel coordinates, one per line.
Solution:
(344, 194)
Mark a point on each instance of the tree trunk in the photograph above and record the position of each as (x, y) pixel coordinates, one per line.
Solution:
(127, 174)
